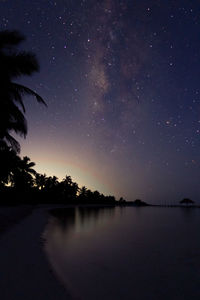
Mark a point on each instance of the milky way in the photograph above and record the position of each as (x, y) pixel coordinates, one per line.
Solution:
(115, 57)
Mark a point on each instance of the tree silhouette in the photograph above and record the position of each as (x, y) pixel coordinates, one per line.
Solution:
(14, 64)
(82, 193)
(40, 181)
(69, 188)
(51, 184)
(8, 162)
(21, 178)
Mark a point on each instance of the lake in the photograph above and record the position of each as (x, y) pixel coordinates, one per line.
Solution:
(125, 252)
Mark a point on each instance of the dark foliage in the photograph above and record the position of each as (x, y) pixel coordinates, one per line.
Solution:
(14, 64)
(20, 183)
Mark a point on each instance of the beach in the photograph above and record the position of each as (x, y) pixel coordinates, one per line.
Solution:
(25, 272)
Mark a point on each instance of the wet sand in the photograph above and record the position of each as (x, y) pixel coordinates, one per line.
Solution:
(25, 272)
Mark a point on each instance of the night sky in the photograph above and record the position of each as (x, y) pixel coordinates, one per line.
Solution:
(122, 84)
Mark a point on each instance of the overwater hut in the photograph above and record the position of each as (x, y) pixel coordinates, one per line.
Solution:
(187, 202)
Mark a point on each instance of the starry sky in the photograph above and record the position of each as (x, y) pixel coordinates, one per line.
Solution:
(122, 84)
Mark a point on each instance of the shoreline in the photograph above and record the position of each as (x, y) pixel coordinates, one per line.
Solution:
(13, 215)
(25, 268)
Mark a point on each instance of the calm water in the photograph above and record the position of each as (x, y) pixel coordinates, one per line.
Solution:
(126, 253)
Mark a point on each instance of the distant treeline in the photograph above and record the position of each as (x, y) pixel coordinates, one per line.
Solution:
(20, 183)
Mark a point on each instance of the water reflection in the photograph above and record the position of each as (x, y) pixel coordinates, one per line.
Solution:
(64, 219)
(65, 226)
(125, 253)
(80, 218)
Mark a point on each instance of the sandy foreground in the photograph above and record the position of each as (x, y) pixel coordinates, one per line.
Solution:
(24, 269)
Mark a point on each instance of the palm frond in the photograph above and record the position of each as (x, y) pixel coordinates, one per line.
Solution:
(31, 164)
(25, 90)
(17, 96)
(23, 63)
(17, 121)
(13, 143)
(14, 64)
(10, 38)
(31, 171)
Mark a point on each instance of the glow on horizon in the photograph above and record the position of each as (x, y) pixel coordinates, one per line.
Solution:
(79, 173)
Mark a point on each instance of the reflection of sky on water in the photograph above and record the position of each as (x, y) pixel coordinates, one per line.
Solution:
(113, 253)
(80, 219)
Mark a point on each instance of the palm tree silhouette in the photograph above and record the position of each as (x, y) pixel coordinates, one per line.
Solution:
(8, 162)
(82, 192)
(69, 188)
(14, 64)
(51, 183)
(22, 178)
(40, 180)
